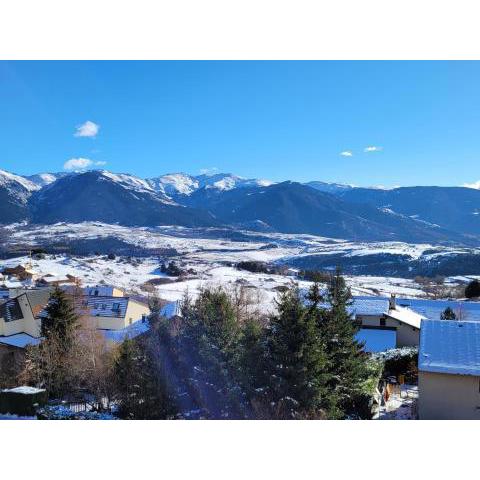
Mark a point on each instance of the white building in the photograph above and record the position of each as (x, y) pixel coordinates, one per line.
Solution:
(378, 313)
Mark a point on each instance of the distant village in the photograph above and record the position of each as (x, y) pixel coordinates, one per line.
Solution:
(443, 382)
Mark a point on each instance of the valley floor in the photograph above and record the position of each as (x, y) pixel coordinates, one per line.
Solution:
(207, 256)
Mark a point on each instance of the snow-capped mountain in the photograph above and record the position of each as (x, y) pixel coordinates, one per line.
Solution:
(112, 198)
(43, 179)
(329, 187)
(14, 194)
(411, 214)
(174, 184)
(17, 185)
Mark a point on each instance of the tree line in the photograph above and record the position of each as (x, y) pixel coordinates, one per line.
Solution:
(222, 358)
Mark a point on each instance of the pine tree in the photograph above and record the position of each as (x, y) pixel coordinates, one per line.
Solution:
(296, 360)
(141, 382)
(448, 314)
(61, 319)
(347, 362)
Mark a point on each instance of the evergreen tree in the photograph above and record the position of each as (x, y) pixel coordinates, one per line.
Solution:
(296, 360)
(448, 314)
(202, 352)
(140, 383)
(61, 319)
(347, 362)
(250, 364)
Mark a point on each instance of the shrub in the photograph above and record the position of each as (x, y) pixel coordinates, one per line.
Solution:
(472, 289)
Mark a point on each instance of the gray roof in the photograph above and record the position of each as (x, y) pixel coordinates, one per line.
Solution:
(104, 306)
(10, 310)
(450, 346)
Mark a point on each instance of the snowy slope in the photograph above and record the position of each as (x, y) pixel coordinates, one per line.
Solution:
(14, 194)
(43, 179)
(174, 184)
(16, 185)
(184, 184)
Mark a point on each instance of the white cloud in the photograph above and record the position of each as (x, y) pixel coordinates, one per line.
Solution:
(372, 148)
(475, 185)
(346, 153)
(81, 164)
(87, 129)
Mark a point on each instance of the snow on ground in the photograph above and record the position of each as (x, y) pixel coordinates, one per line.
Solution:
(366, 285)
(209, 255)
(401, 405)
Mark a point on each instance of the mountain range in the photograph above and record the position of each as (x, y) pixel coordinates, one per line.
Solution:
(410, 214)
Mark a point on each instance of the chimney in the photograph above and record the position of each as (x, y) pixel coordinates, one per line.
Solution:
(392, 303)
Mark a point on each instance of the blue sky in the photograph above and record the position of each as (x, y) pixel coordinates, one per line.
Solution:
(275, 120)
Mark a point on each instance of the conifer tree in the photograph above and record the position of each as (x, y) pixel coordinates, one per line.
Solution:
(347, 362)
(61, 319)
(296, 361)
(140, 382)
(448, 314)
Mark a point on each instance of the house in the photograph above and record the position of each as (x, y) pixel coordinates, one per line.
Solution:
(21, 272)
(52, 280)
(379, 313)
(449, 370)
(21, 314)
(111, 313)
(20, 325)
(103, 291)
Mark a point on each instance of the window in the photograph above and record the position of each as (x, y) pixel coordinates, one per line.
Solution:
(116, 306)
(96, 293)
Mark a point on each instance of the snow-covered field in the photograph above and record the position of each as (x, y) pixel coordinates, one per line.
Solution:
(209, 253)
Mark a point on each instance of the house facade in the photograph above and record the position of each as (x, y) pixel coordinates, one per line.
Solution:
(111, 313)
(21, 314)
(449, 370)
(385, 314)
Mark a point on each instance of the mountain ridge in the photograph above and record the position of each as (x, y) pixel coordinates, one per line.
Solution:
(413, 214)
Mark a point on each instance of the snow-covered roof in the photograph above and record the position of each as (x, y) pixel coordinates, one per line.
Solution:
(105, 306)
(405, 315)
(132, 331)
(370, 306)
(20, 340)
(450, 346)
(25, 390)
(171, 309)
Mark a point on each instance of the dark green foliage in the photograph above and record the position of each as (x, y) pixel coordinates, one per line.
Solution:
(21, 403)
(140, 383)
(61, 319)
(472, 290)
(296, 361)
(173, 270)
(448, 314)
(347, 362)
(260, 267)
(314, 275)
(208, 348)
(403, 364)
